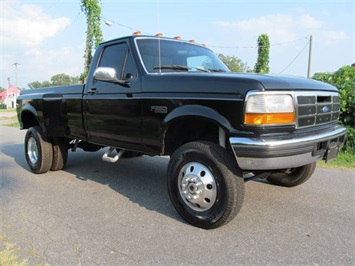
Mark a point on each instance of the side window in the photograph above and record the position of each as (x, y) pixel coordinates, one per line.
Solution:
(130, 68)
(114, 56)
(119, 57)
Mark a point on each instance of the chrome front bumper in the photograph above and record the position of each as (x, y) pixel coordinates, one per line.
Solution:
(287, 151)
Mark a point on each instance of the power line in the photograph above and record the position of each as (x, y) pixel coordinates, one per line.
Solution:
(295, 58)
(122, 25)
(109, 21)
(255, 46)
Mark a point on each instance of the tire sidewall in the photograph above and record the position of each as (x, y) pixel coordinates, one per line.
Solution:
(32, 133)
(297, 177)
(60, 153)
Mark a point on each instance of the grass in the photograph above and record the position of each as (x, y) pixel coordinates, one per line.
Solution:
(344, 160)
(10, 255)
(7, 110)
(14, 124)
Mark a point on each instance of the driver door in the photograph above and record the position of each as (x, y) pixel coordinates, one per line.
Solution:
(112, 112)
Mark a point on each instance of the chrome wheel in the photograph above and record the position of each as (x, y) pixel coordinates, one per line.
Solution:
(197, 186)
(32, 150)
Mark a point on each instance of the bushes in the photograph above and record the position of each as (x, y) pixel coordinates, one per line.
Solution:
(344, 80)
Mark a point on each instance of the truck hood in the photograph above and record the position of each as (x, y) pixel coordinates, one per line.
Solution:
(230, 82)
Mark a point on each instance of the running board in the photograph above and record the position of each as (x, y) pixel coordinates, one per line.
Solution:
(107, 156)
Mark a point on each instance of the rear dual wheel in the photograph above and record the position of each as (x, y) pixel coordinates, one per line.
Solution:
(205, 184)
(60, 153)
(41, 154)
(38, 150)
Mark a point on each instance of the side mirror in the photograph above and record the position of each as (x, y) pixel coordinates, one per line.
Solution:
(105, 74)
(108, 74)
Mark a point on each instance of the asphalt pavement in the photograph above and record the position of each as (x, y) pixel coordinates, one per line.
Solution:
(97, 213)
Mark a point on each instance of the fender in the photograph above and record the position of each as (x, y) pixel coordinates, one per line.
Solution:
(50, 114)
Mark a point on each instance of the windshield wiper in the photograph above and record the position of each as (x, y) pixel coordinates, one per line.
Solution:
(179, 67)
(216, 70)
(173, 67)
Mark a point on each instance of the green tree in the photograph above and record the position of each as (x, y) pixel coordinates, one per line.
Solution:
(35, 85)
(46, 83)
(56, 80)
(344, 80)
(234, 63)
(92, 10)
(60, 79)
(74, 80)
(262, 64)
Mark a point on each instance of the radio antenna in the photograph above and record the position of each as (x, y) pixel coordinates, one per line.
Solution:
(158, 22)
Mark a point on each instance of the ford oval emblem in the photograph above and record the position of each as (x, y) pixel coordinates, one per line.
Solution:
(325, 109)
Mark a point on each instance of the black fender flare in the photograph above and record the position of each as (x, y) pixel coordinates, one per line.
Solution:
(26, 110)
(194, 111)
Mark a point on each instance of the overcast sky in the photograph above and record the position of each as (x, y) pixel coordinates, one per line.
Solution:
(48, 37)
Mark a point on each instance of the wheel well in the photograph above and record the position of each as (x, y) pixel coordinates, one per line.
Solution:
(187, 130)
(28, 120)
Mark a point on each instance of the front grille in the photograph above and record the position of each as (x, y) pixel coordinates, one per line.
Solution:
(317, 108)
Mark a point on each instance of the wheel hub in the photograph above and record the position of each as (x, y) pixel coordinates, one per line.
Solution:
(197, 186)
(32, 150)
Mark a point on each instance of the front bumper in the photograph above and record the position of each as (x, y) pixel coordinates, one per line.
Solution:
(289, 151)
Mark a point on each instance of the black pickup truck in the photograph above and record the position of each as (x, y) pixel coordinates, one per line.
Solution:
(148, 95)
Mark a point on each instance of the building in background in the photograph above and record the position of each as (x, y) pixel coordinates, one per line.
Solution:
(9, 96)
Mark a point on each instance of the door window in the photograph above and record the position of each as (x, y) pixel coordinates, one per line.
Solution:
(119, 57)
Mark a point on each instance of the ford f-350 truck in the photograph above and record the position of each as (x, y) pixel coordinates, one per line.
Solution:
(149, 95)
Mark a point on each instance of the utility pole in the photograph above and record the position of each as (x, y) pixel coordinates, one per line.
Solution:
(7, 92)
(309, 56)
(15, 64)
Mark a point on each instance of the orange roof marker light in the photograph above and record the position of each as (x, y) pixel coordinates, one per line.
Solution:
(193, 41)
(159, 35)
(177, 37)
(137, 33)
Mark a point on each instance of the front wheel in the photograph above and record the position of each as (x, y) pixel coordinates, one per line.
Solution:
(38, 150)
(293, 177)
(205, 184)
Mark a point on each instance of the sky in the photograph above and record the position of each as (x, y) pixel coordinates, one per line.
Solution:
(46, 38)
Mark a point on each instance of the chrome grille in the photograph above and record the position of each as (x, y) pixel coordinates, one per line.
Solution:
(317, 108)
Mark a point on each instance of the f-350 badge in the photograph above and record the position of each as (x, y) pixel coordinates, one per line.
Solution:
(159, 109)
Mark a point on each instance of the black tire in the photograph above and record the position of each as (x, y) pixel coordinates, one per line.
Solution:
(60, 153)
(293, 177)
(210, 176)
(38, 150)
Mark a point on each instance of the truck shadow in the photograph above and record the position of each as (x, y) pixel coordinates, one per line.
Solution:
(142, 180)
(15, 151)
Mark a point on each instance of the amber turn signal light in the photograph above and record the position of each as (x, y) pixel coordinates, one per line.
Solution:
(269, 119)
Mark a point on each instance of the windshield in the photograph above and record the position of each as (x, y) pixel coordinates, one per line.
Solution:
(177, 56)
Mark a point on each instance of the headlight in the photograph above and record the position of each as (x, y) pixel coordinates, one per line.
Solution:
(269, 109)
